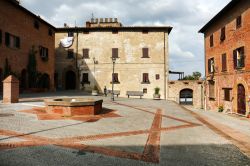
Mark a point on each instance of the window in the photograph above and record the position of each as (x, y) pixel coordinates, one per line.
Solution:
(239, 58)
(211, 90)
(145, 79)
(157, 76)
(36, 24)
(44, 53)
(145, 31)
(85, 78)
(145, 53)
(227, 94)
(145, 90)
(238, 22)
(211, 65)
(85, 53)
(12, 41)
(115, 53)
(70, 54)
(70, 34)
(223, 34)
(50, 32)
(115, 78)
(114, 31)
(224, 62)
(211, 41)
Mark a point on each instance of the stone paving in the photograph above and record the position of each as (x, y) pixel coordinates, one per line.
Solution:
(131, 132)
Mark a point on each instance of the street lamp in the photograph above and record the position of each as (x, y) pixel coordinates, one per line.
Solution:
(112, 96)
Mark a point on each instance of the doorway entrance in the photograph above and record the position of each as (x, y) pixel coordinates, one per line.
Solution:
(186, 97)
(70, 80)
(241, 100)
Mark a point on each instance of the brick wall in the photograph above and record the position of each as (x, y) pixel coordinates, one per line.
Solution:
(20, 23)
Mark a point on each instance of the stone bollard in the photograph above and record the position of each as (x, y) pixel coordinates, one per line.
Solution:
(10, 90)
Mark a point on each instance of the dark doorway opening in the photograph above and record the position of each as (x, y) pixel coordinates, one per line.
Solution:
(241, 100)
(44, 81)
(23, 80)
(186, 97)
(70, 80)
(56, 80)
(1, 79)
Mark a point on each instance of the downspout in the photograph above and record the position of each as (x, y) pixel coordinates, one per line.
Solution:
(165, 68)
(205, 84)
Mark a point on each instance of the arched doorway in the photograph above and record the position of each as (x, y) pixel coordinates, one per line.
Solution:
(70, 80)
(44, 81)
(241, 99)
(186, 97)
(23, 79)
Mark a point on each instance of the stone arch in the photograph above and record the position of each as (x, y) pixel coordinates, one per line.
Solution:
(64, 74)
(186, 96)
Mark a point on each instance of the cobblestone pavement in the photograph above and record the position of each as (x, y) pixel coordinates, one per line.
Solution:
(131, 132)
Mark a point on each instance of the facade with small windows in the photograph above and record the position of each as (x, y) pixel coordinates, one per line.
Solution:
(227, 51)
(20, 31)
(140, 53)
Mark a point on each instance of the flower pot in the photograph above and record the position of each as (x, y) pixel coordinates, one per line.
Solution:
(94, 93)
(157, 96)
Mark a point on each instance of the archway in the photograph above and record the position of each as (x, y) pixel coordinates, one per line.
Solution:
(186, 97)
(241, 99)
(23, 79)
(70, 80)
(44, 81)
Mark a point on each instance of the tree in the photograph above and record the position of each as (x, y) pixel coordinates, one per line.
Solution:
(31, 68)
(7, 68)
(195, 76)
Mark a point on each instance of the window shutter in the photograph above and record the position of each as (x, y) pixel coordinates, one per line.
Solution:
(224, 62)
(145, 53)
(0, 38)
(17, 42)
(243, 56)
(209, 65)
(235, 58)
(47, 52)
(7, 39)
(211, 41)
(114, 52)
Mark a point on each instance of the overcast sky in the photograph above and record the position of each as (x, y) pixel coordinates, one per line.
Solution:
(185, 16)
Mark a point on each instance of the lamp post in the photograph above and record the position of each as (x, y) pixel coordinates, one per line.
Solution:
(112, 96)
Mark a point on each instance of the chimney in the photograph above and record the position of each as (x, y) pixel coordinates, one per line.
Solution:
(96, 20)
(101, 20)
(110, 19)
(92, 20)
(88, 24)
(106, 20)
(115, 20)
(65, 25)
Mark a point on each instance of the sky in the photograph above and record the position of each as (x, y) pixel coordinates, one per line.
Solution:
(187, 17)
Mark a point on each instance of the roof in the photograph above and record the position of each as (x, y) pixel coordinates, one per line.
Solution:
(221, 13)
(135, 28)
(17, 5)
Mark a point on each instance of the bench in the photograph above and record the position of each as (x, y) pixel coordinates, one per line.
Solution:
(116, 92)
(134, 93)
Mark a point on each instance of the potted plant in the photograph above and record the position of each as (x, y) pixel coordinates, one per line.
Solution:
(157, 95)
(220, 108)
(95, 91)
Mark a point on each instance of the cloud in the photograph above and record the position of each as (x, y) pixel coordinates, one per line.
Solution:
(186, 16)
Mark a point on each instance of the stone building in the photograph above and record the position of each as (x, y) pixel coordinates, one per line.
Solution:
(187, 92)
(141, 55)
(227, 49)
(20, 30)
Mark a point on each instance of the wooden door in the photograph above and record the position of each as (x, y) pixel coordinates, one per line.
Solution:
(241, 100)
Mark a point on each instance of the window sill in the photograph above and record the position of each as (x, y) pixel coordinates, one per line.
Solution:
(211, 99)
(115, 82)
(145, 82)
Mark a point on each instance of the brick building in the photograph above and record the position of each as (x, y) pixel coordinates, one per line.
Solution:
(20, 30)
(141, 57)
(227, 49)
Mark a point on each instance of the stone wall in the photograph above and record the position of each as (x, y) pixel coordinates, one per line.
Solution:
(130, 65)
(175, 87)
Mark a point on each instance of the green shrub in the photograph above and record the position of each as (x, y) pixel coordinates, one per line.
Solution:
(157, 90)
(220, 108)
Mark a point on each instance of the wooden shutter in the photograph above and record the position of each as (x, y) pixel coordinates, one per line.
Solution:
(211, 89)
(227, 94)
(85, 77)
(7, 39)
(242, 51)
(115, 78)
(211, 41)
(114, 52)
(85, 53)
(235, 58)
(223, 34)
(209, 65)
(145, 77)
(145, 53)
(224, 62)
(17, 42)
(238, 22)
(47, 52)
